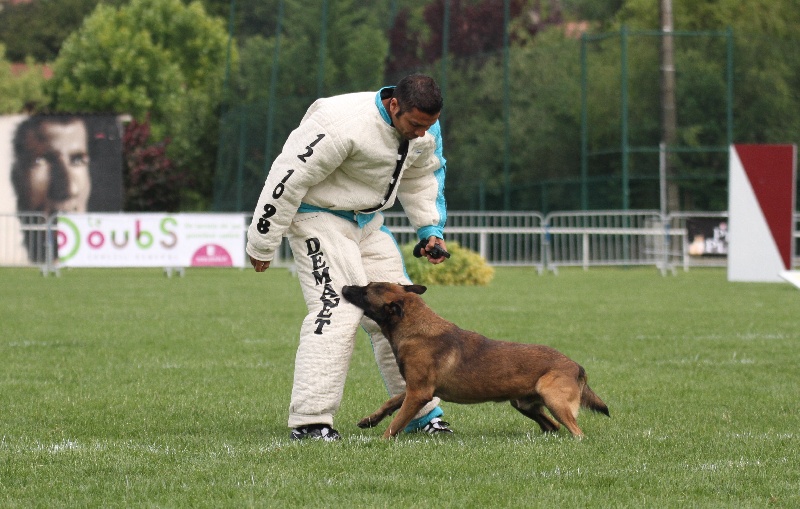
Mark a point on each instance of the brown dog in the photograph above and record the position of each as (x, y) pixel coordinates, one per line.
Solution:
(437, 358)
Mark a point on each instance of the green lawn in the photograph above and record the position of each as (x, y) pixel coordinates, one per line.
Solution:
(124, 388)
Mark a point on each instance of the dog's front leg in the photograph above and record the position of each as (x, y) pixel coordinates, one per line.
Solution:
(387, 408)
(413, 403)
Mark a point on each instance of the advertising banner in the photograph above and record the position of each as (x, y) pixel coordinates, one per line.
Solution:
(151, 240)
(707, 236)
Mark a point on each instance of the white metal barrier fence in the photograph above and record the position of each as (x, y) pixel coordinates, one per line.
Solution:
(607, 238)
(26, 239)
(560, 239)
(502, 238)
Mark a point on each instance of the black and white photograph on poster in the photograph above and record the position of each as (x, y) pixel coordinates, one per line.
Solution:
(54, 163)
(707, 236)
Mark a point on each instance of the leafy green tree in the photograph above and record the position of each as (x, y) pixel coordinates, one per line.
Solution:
(355, 48)
(778, 18)
(543, 123)
(766, 59)
(592, 10)
(219, 8)
(22, 92)
(37, 29)
(280, 75)
(152, 57)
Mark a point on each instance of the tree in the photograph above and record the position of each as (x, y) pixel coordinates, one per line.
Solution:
(37, 29)
(21, 92)
(152, 57)
(317, 53)
(475, 28)
(219, 8)
(152, 181)
(544, 124)
(478, 30)
(592, 10)
(766, 59)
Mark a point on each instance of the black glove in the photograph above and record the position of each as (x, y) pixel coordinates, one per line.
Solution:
(435, 251)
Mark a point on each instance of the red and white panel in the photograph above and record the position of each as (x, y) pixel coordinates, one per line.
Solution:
(761, 211)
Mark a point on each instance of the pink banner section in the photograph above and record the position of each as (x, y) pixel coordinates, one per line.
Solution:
(761, 211)
(151, 240)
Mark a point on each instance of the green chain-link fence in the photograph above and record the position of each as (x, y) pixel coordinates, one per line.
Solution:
(545, 122)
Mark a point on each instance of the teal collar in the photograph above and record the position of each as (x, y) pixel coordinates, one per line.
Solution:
(379, 103)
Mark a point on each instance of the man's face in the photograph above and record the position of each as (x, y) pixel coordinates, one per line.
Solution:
(59, 178)
(412, 123)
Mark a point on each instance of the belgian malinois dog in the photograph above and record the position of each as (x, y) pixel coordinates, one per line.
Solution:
(437, 358)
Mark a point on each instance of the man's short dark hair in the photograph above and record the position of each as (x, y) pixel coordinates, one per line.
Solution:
(418, 91)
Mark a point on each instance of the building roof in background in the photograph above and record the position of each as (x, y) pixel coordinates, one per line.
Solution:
(19, 68)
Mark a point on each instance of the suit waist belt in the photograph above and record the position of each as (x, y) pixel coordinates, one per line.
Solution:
(350, 215)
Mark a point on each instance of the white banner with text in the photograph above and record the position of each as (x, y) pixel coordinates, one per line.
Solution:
(150, 240)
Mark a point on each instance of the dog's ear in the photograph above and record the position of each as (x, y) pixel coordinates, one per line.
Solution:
(394, 309)
(418, 289)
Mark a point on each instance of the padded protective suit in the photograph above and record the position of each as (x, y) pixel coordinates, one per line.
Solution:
(340, 167)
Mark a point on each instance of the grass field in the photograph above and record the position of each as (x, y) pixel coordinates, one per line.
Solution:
(124, 388)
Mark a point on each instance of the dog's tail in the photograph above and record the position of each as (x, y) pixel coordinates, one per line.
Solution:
(589, 399)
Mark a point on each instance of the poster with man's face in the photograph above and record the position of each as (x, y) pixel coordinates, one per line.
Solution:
(51, 164)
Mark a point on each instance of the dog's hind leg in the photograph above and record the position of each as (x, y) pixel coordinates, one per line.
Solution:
(565, 414)
(563, 398)
(386, 409)
(535, 411)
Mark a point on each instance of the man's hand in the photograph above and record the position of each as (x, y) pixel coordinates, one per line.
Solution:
(434, 249)
(259, 265)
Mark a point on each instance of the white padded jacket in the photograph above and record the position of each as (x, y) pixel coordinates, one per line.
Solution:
(342, 159)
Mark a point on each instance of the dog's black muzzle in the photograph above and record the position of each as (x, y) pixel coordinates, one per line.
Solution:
(354, 295)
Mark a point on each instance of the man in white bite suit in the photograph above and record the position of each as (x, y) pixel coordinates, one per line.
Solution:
(351, 156)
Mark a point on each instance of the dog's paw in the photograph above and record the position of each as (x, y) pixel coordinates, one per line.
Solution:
(366, 422)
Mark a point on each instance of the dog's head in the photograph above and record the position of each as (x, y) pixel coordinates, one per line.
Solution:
(383, 302)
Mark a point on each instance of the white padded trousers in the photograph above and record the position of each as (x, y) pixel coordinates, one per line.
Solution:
(331, 252)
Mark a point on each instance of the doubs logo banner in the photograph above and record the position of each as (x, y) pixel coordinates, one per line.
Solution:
(150, 240)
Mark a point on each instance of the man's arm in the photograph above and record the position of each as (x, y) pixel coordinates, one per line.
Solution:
(421, 191)
(309, 155)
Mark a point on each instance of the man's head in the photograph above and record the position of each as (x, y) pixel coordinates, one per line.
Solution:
(415, 105)
(51, 168)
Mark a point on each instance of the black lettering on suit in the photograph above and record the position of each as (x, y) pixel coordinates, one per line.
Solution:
(321, 273)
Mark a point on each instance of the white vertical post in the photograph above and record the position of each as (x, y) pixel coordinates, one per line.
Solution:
(662, 177)
(585, 251)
